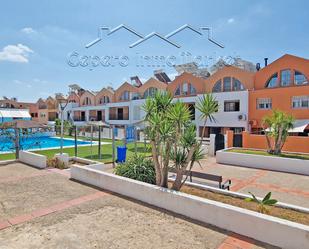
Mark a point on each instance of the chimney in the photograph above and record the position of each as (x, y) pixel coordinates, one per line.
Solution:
(265, 59)
(258, 66)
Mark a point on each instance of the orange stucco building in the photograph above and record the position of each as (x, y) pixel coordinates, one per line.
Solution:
(282, 85)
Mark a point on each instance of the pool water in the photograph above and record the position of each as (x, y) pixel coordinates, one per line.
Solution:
(31, 143)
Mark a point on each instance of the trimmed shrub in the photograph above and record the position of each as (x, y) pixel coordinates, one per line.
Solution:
(138, 168)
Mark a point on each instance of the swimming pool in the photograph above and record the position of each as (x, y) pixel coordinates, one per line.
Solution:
(34, 143)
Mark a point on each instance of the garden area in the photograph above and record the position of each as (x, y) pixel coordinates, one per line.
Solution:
(89, 152)
(175, 149)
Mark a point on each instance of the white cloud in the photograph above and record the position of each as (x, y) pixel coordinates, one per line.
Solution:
(231, 20)
(15, 53)
(28, 30)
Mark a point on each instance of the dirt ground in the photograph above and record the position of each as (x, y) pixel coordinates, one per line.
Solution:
(107, 221)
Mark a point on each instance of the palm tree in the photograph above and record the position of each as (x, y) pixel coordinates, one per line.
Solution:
(208, 106)
(277, 126)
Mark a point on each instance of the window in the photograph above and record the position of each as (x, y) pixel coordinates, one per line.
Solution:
(232, 106)
(150, 92)
(264, 103)
(87, 101)
(226, 84)
(217, 87)
(237, 85)
(125, 95)
(185, 88)
(104, 100)
(177, 92)
(300, 79)
(135, 96)
(300, 102)
(192, 89)
(72, 101)
(192, 111)
(285, 78)
(272, 82)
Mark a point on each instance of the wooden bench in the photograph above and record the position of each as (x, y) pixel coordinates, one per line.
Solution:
(205, 176)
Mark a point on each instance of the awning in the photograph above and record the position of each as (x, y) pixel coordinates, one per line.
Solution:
(7, 113)
(300, 125)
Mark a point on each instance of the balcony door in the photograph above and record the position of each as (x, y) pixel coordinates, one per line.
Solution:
(99, 115)
(120, 113)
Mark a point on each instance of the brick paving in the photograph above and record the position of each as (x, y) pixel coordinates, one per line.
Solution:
(285, 187)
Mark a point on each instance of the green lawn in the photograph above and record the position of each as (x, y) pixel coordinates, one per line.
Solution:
(85, 151)
(264, 153)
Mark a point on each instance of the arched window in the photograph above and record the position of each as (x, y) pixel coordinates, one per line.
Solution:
(272, 82)
(104, 100)
(87, 101)
(227, 84)
(285, 77)
(125, 95)
(299, 78)
(192, 89)
(150, 92)
(177, 92)
(217, 87)
(237, 85)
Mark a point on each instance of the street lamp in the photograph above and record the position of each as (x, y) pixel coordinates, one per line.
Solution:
(63, 102)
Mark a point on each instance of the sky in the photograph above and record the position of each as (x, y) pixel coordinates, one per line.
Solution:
(43, 43)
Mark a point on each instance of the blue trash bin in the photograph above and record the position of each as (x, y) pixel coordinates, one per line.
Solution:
(121, 154)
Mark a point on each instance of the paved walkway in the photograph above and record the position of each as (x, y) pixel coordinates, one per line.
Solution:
(44, 209)
(285, 187)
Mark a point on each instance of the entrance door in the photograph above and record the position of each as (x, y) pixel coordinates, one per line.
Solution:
(120, 113)
(237, 140)
(219, 142)
(82, 116)
(99, 115)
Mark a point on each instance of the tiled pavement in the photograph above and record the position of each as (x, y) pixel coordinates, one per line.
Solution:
(285, 187)
(35, 202)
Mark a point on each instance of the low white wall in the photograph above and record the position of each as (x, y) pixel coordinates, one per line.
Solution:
(98, 166)
(290, 165)
(36, 160)
(262, 227)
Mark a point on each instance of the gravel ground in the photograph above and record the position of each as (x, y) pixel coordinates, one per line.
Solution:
(110, 221)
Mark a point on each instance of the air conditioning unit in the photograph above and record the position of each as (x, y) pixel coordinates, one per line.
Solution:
(242, 117)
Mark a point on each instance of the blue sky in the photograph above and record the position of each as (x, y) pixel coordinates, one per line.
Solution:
(37, 37)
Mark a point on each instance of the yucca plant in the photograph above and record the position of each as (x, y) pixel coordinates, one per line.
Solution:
(262, 204)
(208, 106)
(172, 137)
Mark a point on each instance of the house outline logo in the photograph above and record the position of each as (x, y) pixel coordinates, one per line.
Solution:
(200, 31)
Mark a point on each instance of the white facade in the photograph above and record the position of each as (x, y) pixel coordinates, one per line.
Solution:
(223, 118)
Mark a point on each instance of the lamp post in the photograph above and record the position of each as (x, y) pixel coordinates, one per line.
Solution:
(62, 105)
